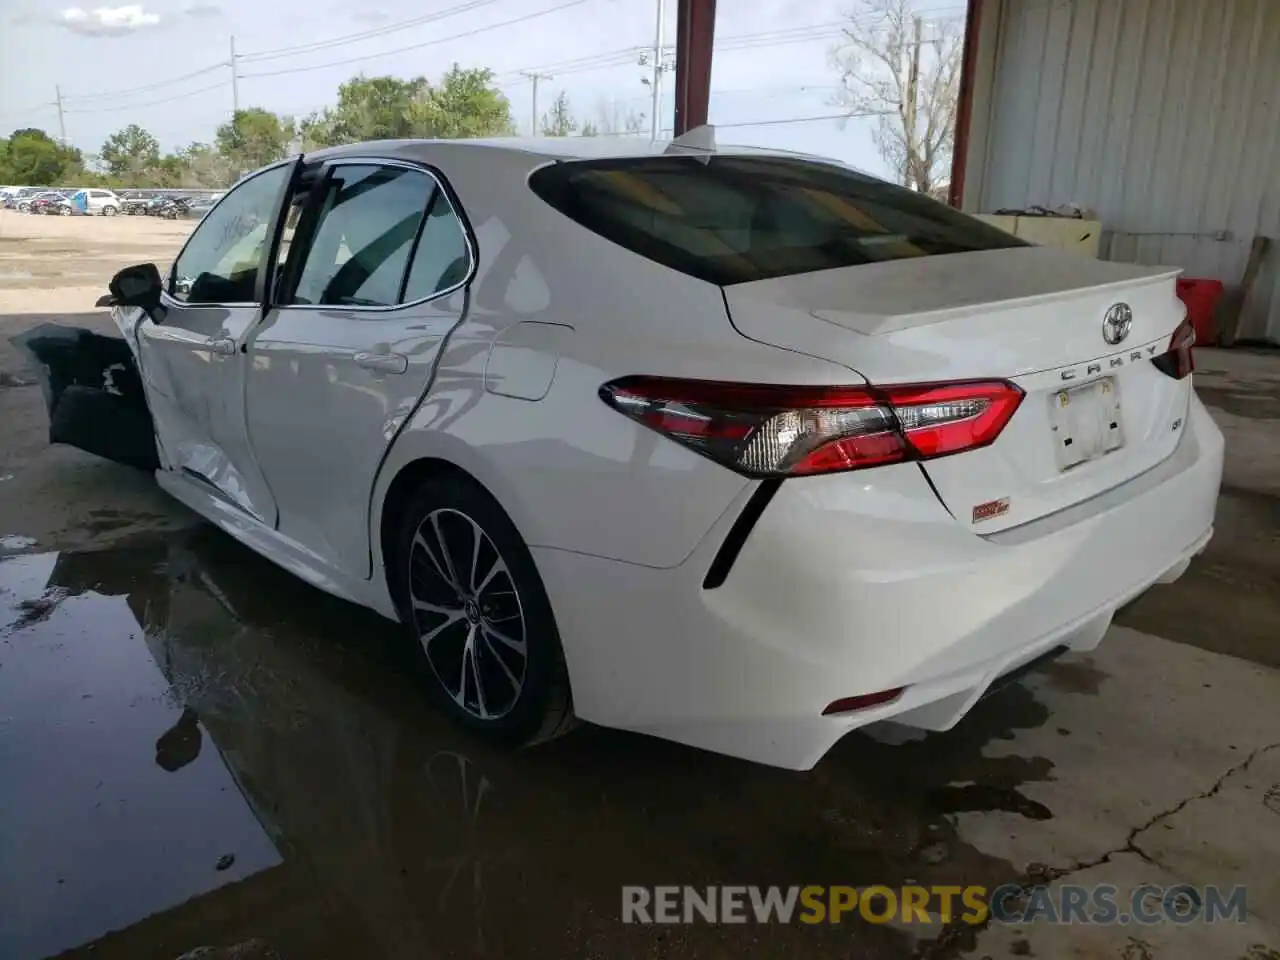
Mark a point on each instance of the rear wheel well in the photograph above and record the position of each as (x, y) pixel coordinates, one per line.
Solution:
(411, 476)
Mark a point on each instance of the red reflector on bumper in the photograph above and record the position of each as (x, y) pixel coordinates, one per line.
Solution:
(850, 704)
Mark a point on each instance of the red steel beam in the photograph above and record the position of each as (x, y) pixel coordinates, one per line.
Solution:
(964, 108)
(695, 36)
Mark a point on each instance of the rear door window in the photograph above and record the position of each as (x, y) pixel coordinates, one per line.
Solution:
(360, 246)
(734, 219)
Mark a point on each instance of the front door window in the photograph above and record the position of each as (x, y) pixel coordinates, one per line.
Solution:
(219, 264)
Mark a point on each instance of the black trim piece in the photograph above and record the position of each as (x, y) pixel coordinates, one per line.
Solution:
(266, 281)
(1017, 673)
(738, 533)
(929, 480)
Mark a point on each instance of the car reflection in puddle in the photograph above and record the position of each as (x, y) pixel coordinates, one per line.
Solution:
(200, 750)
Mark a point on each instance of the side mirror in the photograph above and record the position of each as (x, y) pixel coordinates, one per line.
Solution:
(137, 286)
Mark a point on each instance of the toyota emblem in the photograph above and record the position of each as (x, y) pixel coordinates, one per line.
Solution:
(1116, 324)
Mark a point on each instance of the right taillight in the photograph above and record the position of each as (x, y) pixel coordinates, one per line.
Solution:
(1178, 361)
(766, 430)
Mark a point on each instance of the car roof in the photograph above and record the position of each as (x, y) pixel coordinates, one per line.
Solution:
(547, 148)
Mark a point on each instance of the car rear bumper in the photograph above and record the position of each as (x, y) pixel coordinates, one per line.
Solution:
(859, 583)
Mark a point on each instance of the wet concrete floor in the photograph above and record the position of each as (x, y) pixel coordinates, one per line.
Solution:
(186, 721)
(203, 752)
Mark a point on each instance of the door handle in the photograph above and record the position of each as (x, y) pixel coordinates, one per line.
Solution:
(224, 347)
(383, 362)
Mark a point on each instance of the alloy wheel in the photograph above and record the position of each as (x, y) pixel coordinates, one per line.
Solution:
(468, 614)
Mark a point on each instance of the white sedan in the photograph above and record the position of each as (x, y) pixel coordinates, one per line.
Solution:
(737, 448)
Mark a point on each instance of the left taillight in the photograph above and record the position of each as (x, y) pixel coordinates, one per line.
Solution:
(766, 430)
(1179, 361)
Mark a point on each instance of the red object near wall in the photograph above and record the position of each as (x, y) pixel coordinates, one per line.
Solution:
(1201, 296)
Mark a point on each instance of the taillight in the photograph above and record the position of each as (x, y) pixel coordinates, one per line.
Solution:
(764, 430)
(1178, 361)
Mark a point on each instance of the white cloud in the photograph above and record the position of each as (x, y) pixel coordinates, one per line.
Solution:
(108, 21)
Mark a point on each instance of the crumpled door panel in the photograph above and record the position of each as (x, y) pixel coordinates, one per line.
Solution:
(93, 392)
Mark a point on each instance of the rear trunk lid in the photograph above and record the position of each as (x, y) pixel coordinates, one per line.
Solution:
(1095, 414)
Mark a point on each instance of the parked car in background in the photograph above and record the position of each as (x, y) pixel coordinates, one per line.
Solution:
(22, 202)
(134, 204)
(173, 208)
(50, 203)
(101, 202)
(199, 206)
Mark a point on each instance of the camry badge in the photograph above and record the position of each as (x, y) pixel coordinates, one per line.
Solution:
(1116, 323)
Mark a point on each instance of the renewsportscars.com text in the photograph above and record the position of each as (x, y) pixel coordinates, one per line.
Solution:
(1011, 904)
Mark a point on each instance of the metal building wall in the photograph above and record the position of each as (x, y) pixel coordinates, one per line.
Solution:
(1163, 116)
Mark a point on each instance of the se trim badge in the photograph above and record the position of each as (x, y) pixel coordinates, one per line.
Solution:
(990, 509)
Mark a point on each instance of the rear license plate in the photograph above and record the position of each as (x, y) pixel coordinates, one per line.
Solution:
(1087, 422)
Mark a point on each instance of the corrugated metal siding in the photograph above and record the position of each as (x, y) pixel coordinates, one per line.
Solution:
(1163, 116)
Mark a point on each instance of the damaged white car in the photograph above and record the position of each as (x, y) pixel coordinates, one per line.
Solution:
(741, 449)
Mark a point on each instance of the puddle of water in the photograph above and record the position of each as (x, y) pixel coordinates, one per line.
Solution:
(174, 705)
(112, 810)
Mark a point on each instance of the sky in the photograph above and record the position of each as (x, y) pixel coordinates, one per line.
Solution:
(165, 64)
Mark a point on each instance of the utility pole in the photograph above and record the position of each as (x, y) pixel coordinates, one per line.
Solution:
(534, 77)
(654, 124)
(909, 114)
(62, 122)
(235, 80)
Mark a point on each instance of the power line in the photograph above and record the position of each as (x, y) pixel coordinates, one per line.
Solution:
(302, 48)
(155, 103)
(825, 116)
(743, 41)
(149, 87)
(596, 61)
(419, 46)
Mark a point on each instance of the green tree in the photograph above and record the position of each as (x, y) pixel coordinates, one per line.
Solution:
(202, 165)
(253, 138)
(131, 154)
(369, 108)
(466, 104)
(31, 157)
(558, 121)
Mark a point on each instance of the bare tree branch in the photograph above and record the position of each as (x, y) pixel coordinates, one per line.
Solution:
(874, 61)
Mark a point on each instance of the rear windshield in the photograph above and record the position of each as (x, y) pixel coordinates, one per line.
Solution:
(731, 219)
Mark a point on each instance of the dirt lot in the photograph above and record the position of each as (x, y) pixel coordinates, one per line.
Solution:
(197, 750)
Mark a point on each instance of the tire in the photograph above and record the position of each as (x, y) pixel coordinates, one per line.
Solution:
(109, 210)
(515, 701)
(65, 211)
